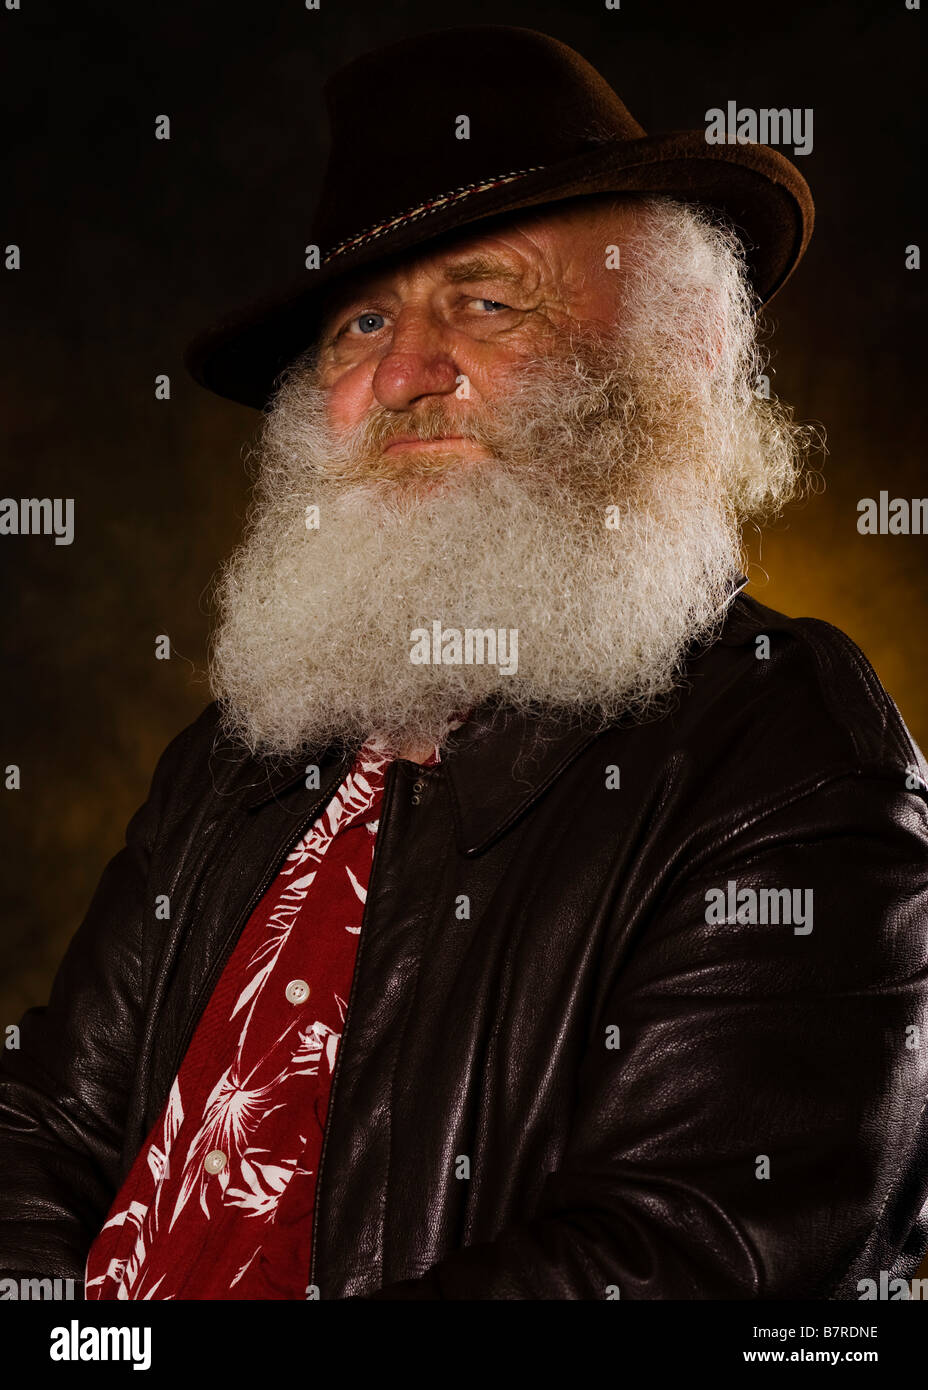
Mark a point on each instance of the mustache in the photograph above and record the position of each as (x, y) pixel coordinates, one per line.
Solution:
(430, 421)
(363, 457)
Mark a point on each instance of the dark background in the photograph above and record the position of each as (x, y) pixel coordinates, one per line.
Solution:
(131, 245)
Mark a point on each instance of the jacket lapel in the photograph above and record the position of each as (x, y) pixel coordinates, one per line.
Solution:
(498, 763)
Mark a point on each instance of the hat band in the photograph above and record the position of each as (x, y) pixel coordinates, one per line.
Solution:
(443, 200)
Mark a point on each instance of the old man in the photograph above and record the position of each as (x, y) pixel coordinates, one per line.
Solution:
(531, 914)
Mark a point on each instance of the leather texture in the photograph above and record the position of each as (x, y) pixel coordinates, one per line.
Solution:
(517, 912)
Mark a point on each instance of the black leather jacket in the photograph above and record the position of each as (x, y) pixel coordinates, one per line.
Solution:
(650, 1102)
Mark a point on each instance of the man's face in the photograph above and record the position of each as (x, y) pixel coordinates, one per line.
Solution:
(502, 435)
(426, 349)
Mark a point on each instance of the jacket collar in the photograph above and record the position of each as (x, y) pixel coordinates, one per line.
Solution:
(497, 764)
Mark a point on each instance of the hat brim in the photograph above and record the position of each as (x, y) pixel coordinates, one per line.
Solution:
(756, 188)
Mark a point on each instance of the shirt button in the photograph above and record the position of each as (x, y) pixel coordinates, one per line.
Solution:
(297, 991)
(215, 1161)
(417, 786)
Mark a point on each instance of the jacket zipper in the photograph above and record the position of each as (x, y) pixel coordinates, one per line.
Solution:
(293, 837)
(389, 783)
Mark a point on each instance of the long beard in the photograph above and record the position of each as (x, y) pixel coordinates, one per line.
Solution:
(601, 526)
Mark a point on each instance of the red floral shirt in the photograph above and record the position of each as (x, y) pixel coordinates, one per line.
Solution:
(219, 1201)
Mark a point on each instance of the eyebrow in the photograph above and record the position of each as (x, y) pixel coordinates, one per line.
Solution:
(476, 267)
(481, 268)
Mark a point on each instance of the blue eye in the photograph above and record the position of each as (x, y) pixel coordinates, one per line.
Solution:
(495, 302)
(370, 322)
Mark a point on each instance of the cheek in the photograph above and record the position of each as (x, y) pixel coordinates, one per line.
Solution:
(349, 398)
(494, 369)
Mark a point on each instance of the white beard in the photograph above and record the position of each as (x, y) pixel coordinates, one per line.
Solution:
(315, 627)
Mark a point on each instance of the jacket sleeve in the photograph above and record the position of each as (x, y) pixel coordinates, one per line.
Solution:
(64, 1091)
(760, 1132)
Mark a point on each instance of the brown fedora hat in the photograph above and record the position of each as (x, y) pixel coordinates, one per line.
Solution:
(542, 125)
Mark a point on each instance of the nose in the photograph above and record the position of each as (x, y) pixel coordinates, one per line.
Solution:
(417, 363)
